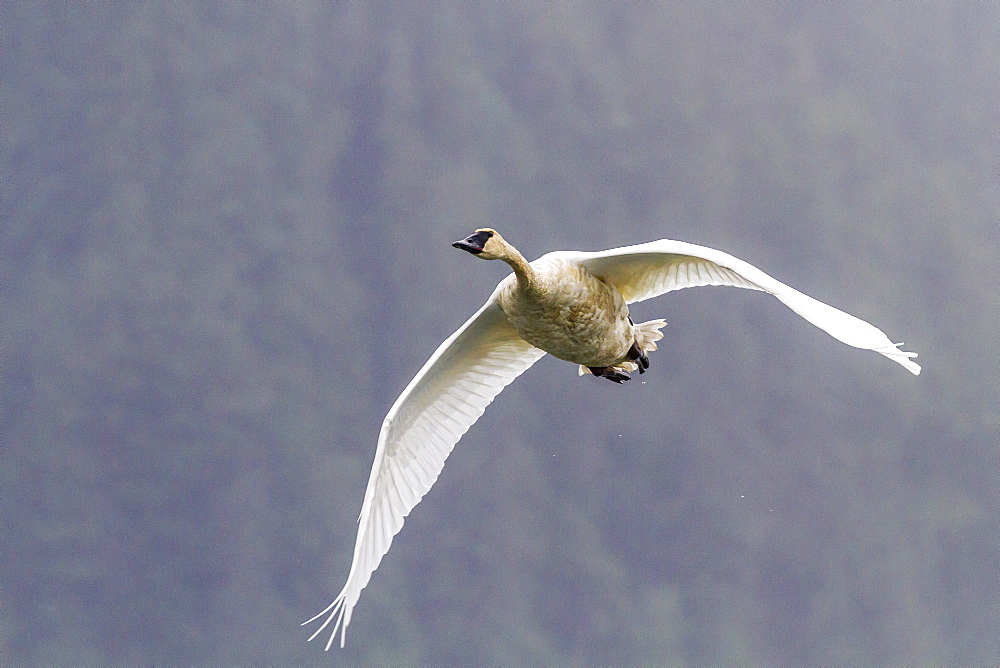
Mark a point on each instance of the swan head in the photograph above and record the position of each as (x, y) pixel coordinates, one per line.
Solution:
(484, 243)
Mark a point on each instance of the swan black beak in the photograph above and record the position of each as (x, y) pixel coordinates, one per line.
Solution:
(474, 242)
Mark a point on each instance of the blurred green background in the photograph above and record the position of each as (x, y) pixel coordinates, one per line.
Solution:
(225, 249)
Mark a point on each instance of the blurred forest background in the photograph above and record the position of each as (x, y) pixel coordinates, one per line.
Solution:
(225, 251)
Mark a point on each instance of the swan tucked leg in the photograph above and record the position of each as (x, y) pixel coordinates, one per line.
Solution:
(639, 356)
(636, 358)
(646, 335)
(612, 373)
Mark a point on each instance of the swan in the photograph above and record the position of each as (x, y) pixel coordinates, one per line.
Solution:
(572, 305)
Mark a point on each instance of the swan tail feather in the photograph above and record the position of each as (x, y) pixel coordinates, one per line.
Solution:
(648, 333)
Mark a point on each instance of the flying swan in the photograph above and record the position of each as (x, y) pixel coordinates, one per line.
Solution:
(570, 304)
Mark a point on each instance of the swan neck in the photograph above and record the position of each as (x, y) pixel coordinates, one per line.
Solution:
(522, 269)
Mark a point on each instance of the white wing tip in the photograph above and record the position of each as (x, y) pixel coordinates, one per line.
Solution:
(336, 609)
(903, 357)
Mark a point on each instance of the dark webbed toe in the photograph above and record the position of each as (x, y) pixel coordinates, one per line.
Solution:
(617, 376)
(639, 356)
(610, 373)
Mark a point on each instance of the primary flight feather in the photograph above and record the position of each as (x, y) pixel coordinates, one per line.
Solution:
(572, 305)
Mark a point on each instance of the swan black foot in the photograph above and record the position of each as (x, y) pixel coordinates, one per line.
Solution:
(610, 373)
(639, 356)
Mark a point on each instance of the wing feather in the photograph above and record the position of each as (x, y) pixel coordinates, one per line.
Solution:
(651, 269)
(443, 400)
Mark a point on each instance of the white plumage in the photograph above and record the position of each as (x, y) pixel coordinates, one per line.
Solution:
(487, 353)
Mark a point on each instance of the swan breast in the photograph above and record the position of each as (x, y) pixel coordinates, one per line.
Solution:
(569, 313)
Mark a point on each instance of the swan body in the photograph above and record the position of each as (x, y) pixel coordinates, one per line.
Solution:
(569, 313)
(572, 305)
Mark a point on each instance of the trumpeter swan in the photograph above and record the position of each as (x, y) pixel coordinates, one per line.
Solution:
(570, 304)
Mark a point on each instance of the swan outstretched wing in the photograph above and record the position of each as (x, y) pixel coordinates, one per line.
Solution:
(439, 405)
(647, 270)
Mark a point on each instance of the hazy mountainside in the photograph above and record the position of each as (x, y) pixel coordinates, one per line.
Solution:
(226, 249)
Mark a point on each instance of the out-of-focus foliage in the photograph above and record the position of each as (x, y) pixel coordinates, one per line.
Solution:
(225, 250)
